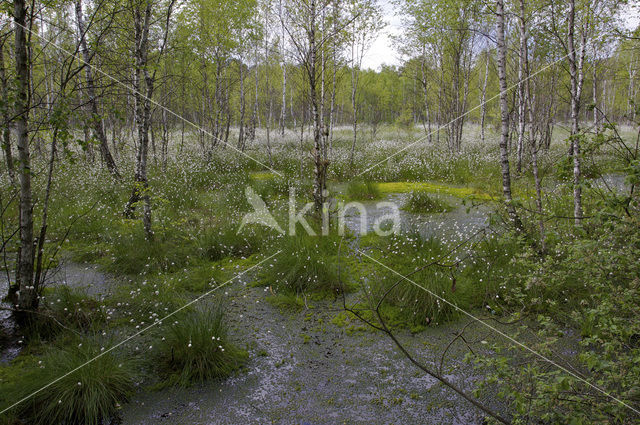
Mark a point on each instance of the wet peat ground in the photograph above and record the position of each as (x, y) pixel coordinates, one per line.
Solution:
(304, 369)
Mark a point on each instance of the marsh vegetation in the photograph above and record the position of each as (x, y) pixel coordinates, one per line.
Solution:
(212, 212)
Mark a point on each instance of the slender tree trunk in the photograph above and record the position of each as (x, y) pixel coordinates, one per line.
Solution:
(164, 151)
(96, 121)
(203, 107)
(631, 69)
(114, 145)
(45, 209)
(604, 97)
(521, 89)
(283, 110)
(143, 117)
(465, 97)
(181, 137)
(302, 145)
(538, 184)
(483, 106)
(319, 161)
(28, 296)
(504, 117)
(146, 217)
(6, 118)
(255, 117)
(227, 111)
(293, 115)
(549, 115)
(575, 111)
(354, 103)
(153, 144)
(535, 135)
(217, 121)
(425, 87)
(143, 107)
(242, 107)
(267, 89)
(440, 96)
(332, 111)
(594, 74)
(324, 133)
(354, 106)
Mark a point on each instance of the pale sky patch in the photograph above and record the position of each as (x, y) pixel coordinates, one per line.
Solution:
(382, 50)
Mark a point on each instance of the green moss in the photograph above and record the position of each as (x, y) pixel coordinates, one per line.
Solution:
(406, 187)
(262, 175)
(349, 322)
(286, 302)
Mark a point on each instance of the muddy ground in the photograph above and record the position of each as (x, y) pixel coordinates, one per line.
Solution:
(306, 367)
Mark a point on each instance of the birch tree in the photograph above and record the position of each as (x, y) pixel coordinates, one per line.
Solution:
(504, 114)
(307, 40)
(144, 85)
(27, 296)
(483, 98)
(5, 107)
(96, 119)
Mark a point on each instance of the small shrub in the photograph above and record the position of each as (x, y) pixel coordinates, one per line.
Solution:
(405, 120)
(422, 202)
(583, 293)
(196, 348)
(564, 169)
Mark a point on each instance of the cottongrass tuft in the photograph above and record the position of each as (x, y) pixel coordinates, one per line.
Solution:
(91, 395)
(196, 348)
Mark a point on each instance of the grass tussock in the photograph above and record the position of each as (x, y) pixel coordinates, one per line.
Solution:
(217, 243)
(62, 309)
(422, 202)
(196, 348)
(306, 264)
(91, 395)
(361, 191)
